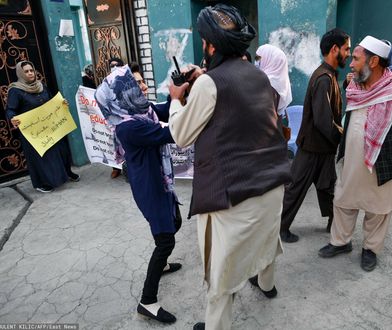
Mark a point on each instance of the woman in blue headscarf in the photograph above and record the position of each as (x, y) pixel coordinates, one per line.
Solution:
(144, 140)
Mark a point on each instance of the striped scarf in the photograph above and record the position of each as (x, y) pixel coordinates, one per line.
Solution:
(378, 101)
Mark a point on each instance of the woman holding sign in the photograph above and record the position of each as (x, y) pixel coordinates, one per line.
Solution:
(54, 167)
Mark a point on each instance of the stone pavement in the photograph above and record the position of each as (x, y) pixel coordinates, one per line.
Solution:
(80, 254)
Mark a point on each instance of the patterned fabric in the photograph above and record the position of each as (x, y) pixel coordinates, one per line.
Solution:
(378, 100)
(120, 99)
(384, 161)
(119, 96)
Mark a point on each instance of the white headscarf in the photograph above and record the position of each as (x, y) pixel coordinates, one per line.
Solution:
(274, 63)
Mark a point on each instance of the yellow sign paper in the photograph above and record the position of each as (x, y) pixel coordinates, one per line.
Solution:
(44, 126)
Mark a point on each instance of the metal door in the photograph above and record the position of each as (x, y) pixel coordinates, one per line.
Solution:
(111, 29)
(21, 38)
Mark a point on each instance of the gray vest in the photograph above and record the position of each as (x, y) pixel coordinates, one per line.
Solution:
(240, 153)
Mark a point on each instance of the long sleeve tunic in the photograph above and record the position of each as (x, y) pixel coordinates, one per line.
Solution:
(53, 167)
(141, 140)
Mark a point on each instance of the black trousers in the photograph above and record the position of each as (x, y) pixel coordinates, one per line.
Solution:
(164, 245)
(308, 168)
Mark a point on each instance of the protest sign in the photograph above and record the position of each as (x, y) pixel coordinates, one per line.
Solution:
(97, 133)
(182, 158)
(47, 124)
(182, 161)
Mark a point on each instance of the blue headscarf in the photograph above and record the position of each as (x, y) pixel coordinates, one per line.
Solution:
(119, 97)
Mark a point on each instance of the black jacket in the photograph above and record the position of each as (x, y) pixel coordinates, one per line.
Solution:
(322, 108)
(241, 152)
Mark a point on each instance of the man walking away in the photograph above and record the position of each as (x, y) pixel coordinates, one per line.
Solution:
(319, 135)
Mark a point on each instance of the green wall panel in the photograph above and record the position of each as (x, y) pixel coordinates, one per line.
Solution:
(171, 35)
(296, 27)
(67, 69)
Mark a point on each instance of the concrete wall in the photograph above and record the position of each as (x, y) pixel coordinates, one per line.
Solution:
(171, 35)
(67, 68)
(296, 27)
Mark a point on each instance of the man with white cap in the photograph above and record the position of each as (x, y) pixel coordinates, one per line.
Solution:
(365, 180)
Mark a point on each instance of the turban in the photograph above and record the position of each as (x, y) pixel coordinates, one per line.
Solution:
(231, 41)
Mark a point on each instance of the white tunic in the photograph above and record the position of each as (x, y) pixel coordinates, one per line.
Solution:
(356, 187)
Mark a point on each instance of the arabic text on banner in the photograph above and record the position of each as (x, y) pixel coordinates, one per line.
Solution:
(47, 124)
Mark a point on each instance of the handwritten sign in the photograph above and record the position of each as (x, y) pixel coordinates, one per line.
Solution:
(47, 124)
(97, 133)
(182, 159)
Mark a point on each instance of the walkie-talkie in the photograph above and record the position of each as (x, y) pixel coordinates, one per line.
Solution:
(177, 76)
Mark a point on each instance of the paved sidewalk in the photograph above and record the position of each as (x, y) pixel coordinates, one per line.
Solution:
(80, 254)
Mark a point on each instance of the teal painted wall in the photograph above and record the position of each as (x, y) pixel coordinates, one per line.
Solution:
(67, 68)
(296, 27)
(196, 6)
(171, 34)
(361, 18)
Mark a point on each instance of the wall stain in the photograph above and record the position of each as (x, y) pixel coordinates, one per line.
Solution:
(302, 48)
(64, 44)
(173, 42)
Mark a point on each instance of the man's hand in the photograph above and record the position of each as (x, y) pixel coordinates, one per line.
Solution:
(349, 76)
(65, 102)
(15, 122)
(197, 73)
(177, 92)
(340, 128)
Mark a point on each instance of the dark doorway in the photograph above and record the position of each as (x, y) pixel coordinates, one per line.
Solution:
(21, 38)
(111, 30)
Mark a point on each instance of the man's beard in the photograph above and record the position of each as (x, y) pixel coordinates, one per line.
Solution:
(341, 60)
(363, 75)
(207, 59)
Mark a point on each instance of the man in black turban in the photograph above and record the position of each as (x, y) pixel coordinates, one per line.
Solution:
(225, 28)
(240, 165)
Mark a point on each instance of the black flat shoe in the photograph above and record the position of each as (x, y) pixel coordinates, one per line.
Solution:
(73, 177)
(269, 294)
(368, 260)
(330, 250)
(173, 267)
(288, 237)
(162, 315)
(45, 189)
(199, 326)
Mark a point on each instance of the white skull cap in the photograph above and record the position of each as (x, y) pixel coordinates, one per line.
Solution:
(376, 46)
